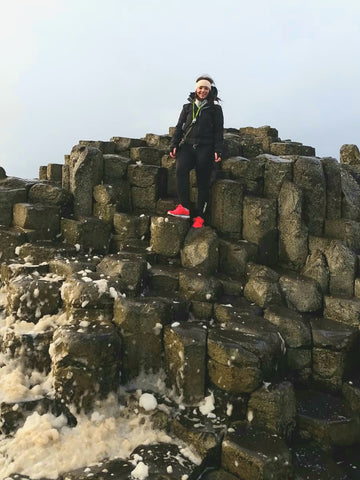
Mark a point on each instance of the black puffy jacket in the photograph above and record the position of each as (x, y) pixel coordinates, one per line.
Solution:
(207, 130)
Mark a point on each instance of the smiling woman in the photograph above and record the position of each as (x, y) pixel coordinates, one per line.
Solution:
(197, 143)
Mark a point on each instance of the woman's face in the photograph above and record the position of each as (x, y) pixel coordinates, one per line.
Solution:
(202, 92)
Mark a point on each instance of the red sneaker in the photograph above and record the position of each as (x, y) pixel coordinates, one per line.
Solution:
(198, 222)
(180, 211)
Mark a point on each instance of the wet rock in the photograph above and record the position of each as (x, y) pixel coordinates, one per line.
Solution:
(310, 462)
(309, 176)
(86, 360)
(293, 233)
(140, 322)
(259, 227)
(343, 310)
(30, 297)
(227, 207)
(185, 359)
(333, 352)
(128, 269)
(106, 470)
(88, 233)
(44, 251)
(274, 407)
(203, 431)
(262, 286)
(292, 326)
(12, 270)
(230, 347)
(351, 392)
(234, 257)
(86, 165)
(90, 290)
(164, 280)
(326, 419)
(240, 310)
(199, 287)
(342, 266)
(201, 250)
(301, 293)
(253, 453)
(68, 266)
(168, 235)
(233, 366)
(166, 461)
(10, 241)
(32, 348)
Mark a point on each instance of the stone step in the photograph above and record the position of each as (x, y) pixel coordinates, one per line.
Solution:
(252, 453)
(326, 419)
(43, 219)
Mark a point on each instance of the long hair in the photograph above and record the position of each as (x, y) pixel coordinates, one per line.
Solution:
(213, 94)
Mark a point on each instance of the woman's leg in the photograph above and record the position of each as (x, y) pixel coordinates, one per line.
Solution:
(184, 163)
(204, 167)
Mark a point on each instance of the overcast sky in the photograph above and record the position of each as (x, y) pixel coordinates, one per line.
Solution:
(92, 69)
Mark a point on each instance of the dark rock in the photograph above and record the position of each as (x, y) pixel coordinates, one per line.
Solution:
(253, 453)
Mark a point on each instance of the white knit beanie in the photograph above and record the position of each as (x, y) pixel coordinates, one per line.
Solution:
(203, 83)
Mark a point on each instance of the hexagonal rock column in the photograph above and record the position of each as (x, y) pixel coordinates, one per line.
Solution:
(168, 235)
(128, 268)
(234, 257)
(342, 267)
(350, 155)
(253, 453)
(233, 363)
(89, 233)
(343, 310)
(326, 419)
(227, 207)
(293, 233)
(86, 362)
(86, 166)
(140, 322)
(309, 176)
(43, 219)
(30, 297)
(274, 407)
(260, 227)
(8, 197)
(334, 351)
(185, 358)
(277, 170)
(201, 250)
(301, 293)
(262, 286)
(332, 174)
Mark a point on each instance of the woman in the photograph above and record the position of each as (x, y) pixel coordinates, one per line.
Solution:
(197, 143)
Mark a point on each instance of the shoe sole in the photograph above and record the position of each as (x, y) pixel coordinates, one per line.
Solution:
(179, 216)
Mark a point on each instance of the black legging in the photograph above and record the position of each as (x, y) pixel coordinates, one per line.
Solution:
(202, 159)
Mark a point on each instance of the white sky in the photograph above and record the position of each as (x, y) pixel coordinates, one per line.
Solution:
(91, 69)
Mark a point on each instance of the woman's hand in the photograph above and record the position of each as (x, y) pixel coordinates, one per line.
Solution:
(173, 153)
(217, 157)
